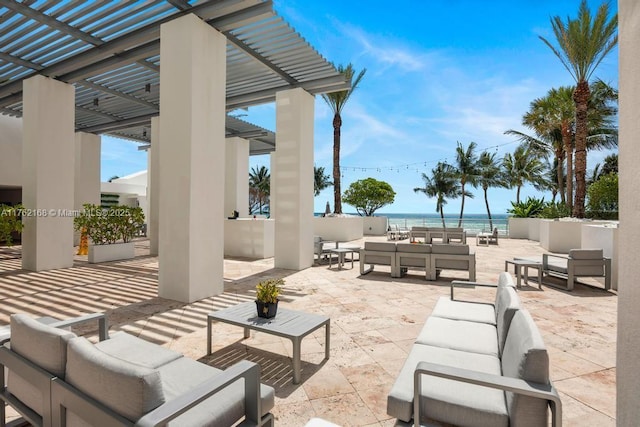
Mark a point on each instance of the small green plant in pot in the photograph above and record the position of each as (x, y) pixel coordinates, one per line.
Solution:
(267, 293)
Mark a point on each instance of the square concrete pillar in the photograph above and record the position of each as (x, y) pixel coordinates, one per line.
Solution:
(191, 163)
(272, 193)
(48, 153)
(153, 186)
(236, 194)
(628, 363)
(292, 179)
(87, 173)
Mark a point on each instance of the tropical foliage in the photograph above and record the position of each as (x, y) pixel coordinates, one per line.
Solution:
(337, 101)
(490, 175)
(369, 195)
(530, 208)
(442, 184)
(269, 290)
(10, 223)
(466, 171)
(522, 167)
(109, 225)
(602, 197)
(321, 180)
(582, 44)
(259, 189)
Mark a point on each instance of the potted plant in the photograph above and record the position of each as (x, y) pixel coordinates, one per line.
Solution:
(110, 230)
(267, 293)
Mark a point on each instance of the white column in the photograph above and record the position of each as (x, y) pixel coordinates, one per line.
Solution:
(87, 172)
(48, 152)
(628, 362)
(191, 171)
(272, 194)
(236, 193)
(293, 183)
(153, 186)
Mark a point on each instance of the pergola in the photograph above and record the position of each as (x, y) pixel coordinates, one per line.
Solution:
(110, 52)
(95, 68)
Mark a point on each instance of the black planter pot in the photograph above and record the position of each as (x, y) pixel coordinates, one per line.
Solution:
(267, 309)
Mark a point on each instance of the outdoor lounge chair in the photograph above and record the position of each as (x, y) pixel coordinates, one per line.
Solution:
(578, 263)
(487, 237)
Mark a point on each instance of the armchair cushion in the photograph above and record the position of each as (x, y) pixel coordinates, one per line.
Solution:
(443, 248)
(463, 310)
(126, 388)
(136, 350)
(460, 335)
(380, 246)
(525, 357)
(586, 254)
(44, 345)
(413, 248)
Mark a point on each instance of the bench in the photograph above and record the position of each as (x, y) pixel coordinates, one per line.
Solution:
(477, 364)
(56, 378)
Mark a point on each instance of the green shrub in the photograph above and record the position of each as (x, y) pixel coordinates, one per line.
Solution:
(109, 225)
(10, 222)
(268, 291)
(554, 210)
(602, 198)
(530, 208)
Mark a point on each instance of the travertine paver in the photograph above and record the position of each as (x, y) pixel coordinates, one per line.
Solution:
(374, 318)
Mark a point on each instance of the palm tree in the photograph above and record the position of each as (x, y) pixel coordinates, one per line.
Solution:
(467, 171)
(321, 180)
(442, 184)
(489, 176)
(582, 44)
(259, 186)
(551, 118)
(337, 101)
(522, 167)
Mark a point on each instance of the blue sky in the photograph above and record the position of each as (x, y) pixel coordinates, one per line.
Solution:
(438, 72)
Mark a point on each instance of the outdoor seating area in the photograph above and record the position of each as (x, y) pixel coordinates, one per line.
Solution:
(376, 321)
(438, 234)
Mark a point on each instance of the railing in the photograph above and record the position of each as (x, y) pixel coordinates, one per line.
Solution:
(471, 225)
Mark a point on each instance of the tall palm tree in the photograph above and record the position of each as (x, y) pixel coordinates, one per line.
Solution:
(582, 44)
(551, 118)
(523, 167)
(260, 185)
(321, 180)
(337, 101)
(442, 184)
(489, 176)
(467, 171)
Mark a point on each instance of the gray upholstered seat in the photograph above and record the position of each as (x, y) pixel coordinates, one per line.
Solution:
(378, 253)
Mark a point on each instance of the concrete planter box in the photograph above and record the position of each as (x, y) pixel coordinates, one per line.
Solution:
(518, 228)
(603, 236)
(341, 229)
(560, 236)
(112, 252)
(534, 229)
(249, 238)
(375, 225)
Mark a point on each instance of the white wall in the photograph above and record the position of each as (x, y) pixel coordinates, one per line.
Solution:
(375, 225)
(10, 151)
(340, 229)
(628, 362)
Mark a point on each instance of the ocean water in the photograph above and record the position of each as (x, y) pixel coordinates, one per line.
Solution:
(473, 223)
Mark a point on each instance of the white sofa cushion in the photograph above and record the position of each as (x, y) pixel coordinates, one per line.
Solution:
(126, 388)
(446, 400)
(463, 310)
(460, 335)
(136, 350)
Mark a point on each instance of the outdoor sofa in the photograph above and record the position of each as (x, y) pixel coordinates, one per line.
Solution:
(477, 364)
(56, 378)
(444, 235)
(431, 258)
(578, 263)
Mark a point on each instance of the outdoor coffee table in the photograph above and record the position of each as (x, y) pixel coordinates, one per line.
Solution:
(518, 264)
(290, 324)
(341, 252)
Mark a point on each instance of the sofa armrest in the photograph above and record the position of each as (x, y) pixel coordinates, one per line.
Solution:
(514, 385)
(545, 259)
(249, 371)
(469, 285)
(103, 329)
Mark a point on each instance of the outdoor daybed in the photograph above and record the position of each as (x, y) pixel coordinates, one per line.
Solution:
(477, 365)
(56, 378)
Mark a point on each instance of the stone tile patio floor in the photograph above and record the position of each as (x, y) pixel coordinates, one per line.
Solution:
(374, 321)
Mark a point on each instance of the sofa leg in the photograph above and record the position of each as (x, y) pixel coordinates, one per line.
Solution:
(364, 271)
